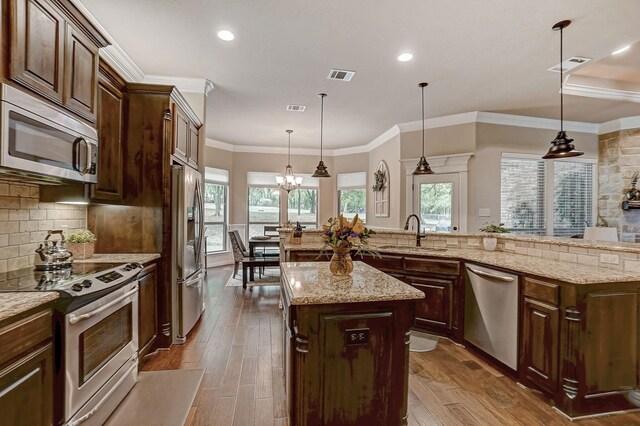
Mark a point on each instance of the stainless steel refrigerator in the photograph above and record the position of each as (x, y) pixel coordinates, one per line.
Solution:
(187, 289)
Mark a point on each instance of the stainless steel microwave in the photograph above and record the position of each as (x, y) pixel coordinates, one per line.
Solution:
(41, 142)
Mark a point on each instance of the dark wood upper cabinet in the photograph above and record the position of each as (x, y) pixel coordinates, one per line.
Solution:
(181, 134)
(81, 74)
(110, 134)
(53, 52)
(193, 145)
(37, 47)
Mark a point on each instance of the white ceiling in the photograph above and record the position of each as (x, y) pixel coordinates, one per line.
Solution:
(485, 55)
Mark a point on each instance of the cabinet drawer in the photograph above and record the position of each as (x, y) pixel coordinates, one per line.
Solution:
(24, 334)
(386, 261)
(540, 290)
(438, 266)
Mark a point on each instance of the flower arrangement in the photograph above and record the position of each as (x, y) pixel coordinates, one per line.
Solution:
(340, 232)
(81, 236)
(494, 229)
(380, 180)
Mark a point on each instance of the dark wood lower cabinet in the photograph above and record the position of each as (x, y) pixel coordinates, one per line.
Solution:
(26, 390)
(26, 370)
(335, 380)
(539, 347)
(147, 310)
(433, 313)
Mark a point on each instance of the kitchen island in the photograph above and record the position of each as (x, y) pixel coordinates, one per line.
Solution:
(346, 344)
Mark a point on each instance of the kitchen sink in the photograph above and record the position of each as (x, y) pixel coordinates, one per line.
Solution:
(425, 249)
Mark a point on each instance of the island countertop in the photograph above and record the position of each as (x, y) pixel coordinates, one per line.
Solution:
(311, 283)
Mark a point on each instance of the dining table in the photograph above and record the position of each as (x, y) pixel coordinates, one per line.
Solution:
(261, 242)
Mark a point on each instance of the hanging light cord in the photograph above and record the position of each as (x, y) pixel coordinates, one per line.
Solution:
(289, 161)
(321, 123)
(423, 121)
(561, 89)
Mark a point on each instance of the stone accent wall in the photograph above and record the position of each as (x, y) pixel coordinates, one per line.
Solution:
(24, 222)
(618, 160)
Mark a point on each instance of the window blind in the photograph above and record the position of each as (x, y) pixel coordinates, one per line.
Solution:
(262, 179)
(573, 206)
(522, 195)
(211, 174)
(352, 180)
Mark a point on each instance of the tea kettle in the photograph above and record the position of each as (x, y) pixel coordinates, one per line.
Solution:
(52, 254)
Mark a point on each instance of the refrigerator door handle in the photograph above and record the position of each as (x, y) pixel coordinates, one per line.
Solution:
(195, 280)
(200, 202)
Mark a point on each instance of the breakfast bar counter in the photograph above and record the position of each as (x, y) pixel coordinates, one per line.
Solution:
(346, 344)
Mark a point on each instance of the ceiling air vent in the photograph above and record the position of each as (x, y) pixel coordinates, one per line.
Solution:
(342, 75)
(296, 108)
(570, 64)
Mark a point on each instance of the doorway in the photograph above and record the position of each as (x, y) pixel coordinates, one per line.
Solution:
(435, 200)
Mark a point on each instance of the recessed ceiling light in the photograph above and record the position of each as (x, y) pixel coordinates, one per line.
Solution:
(225, 35)
(621, 50)
(404, 57)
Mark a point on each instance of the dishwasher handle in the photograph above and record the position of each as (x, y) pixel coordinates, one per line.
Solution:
(490, 276)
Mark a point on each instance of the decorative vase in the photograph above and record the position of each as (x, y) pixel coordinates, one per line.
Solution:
(81, 250)
(341, 263)
(490, 243)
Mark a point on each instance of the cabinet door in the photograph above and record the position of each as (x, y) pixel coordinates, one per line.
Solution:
(539, 352)
(110, 128)
(37, 47)
(26, 390)
(181, 134)
(81, 74)
(193, 145)
(147, 314)
(433, 313)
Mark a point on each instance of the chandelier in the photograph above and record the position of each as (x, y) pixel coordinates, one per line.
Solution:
(289, 181)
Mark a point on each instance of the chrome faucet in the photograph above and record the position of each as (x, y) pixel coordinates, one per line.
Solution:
(418, 235)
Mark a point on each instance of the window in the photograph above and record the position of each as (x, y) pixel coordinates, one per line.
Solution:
(302, 204)
(535, 192)
(522, 195)
(216, 191)
(352, 195)
(264, 202)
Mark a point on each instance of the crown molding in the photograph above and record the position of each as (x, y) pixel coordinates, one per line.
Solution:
(601, 93)
(114, 55)
(626, 123)
(437, 122)
(536, 122)
(184, 84)
(390, 133)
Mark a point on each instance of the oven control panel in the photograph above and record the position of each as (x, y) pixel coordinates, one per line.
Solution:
(111, 276)
(103, 280)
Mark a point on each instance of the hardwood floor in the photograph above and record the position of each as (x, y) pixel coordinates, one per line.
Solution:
(238, 341)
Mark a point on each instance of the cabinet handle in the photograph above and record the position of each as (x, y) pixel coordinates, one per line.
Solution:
(302, 345)
(490, 276)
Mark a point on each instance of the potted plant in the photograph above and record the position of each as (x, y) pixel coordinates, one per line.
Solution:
(490, 243)
(81, 244)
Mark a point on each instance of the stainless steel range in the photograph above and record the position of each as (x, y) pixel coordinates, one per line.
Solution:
(96, 332)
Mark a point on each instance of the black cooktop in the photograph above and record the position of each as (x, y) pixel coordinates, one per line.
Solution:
(29, 279)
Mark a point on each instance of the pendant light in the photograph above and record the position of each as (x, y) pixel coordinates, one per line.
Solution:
(562, 146)
(289, 181)
(423, 167)
(321, 170)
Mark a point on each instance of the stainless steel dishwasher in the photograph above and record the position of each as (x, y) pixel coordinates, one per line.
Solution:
(491, 313)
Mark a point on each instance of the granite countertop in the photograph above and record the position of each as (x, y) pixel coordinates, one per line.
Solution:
(311, 283)
(552, 269)
(120, 258)
(12, 304)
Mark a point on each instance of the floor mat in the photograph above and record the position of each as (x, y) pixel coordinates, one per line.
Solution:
(160, 398)
(422, 342)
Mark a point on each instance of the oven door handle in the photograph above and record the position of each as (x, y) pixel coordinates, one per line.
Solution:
(73, 319)
(95, 409)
